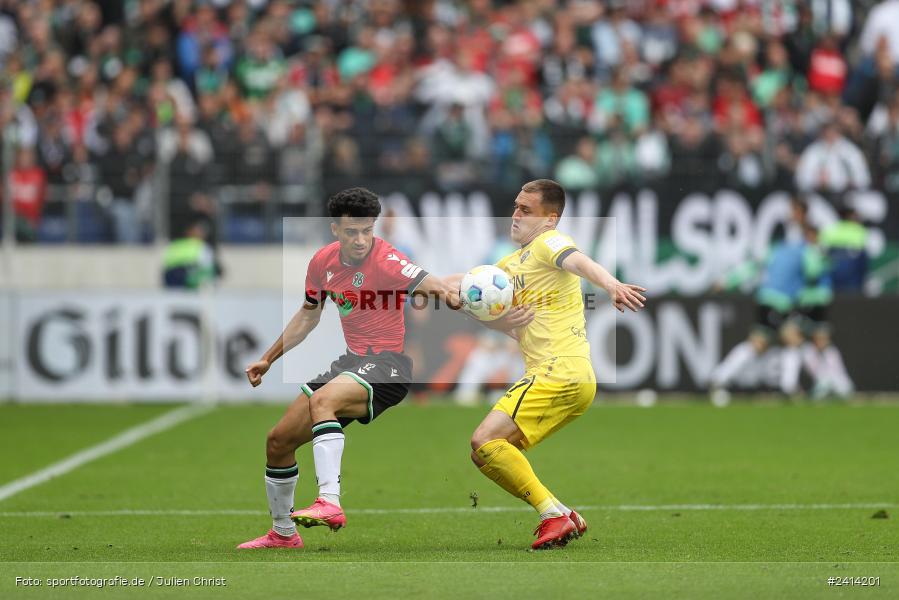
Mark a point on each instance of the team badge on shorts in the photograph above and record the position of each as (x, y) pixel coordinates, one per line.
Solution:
(358, 278)
(366, 368)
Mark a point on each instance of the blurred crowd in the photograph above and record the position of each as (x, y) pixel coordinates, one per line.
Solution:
(129, 105)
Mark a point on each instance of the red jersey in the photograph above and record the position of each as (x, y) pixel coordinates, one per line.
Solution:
(827, 71)
(28, 188)
(370, 296)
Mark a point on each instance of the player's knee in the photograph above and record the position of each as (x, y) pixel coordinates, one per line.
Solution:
(321, 400)
(278, 443)
(481, 437)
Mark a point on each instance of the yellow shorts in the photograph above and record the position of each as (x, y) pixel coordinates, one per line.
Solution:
(549, 396)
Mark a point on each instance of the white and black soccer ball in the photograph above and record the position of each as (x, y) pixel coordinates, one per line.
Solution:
(486, 292)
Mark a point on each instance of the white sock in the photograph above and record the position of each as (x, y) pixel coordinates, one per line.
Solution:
(842, 383)
(791, 366)
(561, 507)
(812, 361)
(280, 483)
(548, 510)
(327, 450)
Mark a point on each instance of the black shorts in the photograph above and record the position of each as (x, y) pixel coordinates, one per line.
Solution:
(385, 375)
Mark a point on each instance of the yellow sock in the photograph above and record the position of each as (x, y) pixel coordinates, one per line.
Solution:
(507, 466)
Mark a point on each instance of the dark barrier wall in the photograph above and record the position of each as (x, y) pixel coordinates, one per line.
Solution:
(676, 342)
(877, 207)
(696, 333)
(672, 239)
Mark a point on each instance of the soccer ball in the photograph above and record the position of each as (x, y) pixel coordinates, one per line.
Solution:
(486, 292)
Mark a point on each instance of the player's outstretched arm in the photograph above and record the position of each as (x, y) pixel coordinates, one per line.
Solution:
(441, 288)
(296, 331)
(623, 295)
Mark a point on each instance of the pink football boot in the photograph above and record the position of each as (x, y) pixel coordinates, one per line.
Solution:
(321, 512)
(274, 540)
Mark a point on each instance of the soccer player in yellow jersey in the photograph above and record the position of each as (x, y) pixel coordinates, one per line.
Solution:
(559, 383)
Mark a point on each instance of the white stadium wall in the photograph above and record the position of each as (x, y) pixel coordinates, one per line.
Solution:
(135, 267)
(156, 346)
(100, 327)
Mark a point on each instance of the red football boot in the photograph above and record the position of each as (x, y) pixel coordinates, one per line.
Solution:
(579, 523)
(554, 533)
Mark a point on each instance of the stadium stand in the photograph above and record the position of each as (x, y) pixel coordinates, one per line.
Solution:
(130, 120)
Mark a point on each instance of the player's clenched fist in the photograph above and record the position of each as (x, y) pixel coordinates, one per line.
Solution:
(256, 370)
(453, 300)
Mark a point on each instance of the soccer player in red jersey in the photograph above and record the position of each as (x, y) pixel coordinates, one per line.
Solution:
(368, 280)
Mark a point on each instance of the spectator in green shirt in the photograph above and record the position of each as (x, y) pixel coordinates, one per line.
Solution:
(259, 71)
(844, 242)
(622, 101)
(578, 171)
(189, 261)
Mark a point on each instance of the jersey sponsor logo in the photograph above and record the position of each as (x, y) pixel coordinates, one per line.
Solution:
(329, 275)
(524, 256)
(345, 301)
(556, 242)
(410, 270)
(363, 370)
(519, 282)
(358, 278)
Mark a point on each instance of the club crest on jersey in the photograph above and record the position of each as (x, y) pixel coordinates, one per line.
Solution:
(329, 275)
(358, 278)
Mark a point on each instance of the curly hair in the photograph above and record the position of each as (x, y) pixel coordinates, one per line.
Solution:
(354, 202)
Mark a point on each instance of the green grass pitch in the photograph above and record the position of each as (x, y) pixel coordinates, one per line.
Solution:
(684, 501)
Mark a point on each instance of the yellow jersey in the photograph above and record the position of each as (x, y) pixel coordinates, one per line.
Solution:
(559, 327)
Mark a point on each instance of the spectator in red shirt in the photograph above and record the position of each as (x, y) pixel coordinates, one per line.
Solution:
(733, 108)
(827, 68)
(28, 190)
(520, 47)
(733, 101)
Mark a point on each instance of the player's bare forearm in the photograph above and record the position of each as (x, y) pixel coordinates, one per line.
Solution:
(303, 322)
(512, 333)
(623, 295)
(583, 266)
(512, 322)
(440, 288)
(454, 281)
(296, 331)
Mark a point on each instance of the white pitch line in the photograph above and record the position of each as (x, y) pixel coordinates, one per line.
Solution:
(114, 444)
(454, 509)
